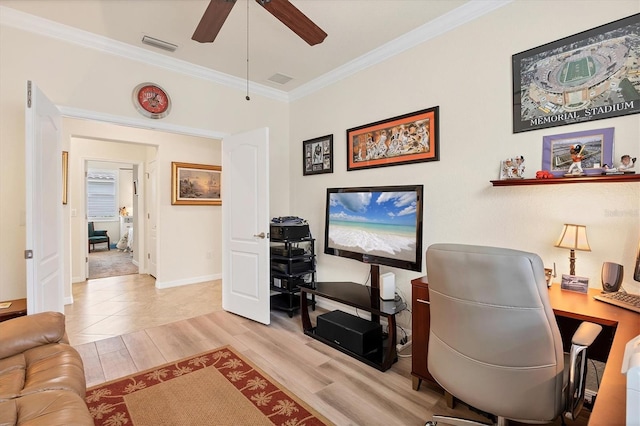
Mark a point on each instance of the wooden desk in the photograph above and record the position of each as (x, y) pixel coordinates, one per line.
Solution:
(619, 326)
(610, 406)
(18, 308)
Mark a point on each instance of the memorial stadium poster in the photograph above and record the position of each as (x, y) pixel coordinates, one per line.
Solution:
(588, 76)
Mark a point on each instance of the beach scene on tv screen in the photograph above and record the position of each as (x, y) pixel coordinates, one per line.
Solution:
(374, 223)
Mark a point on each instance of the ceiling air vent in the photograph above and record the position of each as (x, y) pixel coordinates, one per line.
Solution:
(280, 78)
(164, 45)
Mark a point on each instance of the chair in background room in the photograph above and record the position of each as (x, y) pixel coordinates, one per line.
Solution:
(494, 342)
(96, 237)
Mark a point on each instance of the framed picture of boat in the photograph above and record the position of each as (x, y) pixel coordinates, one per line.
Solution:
(195, 184)
(586, 152)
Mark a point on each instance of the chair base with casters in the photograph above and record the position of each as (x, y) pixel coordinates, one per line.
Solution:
(494, 342)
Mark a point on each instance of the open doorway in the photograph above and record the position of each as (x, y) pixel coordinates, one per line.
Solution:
(93, 139)
(111, 189)
(108, 191)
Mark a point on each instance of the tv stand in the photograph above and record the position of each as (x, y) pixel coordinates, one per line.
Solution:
(363, 298)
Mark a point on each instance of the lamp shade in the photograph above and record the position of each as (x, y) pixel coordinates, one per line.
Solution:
(573, 237)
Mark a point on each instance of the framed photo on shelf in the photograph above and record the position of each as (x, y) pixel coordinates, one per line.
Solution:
(317, 156)
(596, 148)
(584, 77)
(195, 184)
(406, 139)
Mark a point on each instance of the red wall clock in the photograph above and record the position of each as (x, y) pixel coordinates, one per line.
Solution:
(151, 100)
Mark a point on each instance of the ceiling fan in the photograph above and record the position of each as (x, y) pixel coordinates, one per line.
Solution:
(218, 10)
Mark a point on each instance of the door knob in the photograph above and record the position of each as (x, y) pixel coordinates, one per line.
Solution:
(260, 235)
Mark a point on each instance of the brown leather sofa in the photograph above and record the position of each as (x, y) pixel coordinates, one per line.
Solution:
(42, 378)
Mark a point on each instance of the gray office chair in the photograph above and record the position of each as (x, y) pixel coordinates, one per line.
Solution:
(494, 342)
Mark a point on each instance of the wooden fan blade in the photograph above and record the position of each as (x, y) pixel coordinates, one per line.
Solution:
(212, 20)
(295, 20)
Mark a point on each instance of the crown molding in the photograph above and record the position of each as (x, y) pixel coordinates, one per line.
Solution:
(139, 123)
(453, 19)
(445, 23)
(34, 24)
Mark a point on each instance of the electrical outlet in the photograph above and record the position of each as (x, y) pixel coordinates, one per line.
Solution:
(401, 347)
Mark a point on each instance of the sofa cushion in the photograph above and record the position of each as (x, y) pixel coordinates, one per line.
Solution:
(54, 366)
(41, 376)
(48, 408)
(22, 333)
(8, 413)
(11, 384)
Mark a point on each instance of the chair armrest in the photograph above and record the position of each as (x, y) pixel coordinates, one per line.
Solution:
(581, 340)
(586, 334)
(102, 233)
(20, 334)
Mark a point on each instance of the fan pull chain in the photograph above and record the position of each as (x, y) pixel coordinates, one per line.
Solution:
(247, 97)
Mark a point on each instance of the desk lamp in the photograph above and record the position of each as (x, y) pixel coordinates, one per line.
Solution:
(573, 237)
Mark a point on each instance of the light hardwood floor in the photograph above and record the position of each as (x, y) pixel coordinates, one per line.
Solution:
(122, 325)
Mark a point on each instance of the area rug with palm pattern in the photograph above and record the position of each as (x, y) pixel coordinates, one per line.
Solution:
(219, 387)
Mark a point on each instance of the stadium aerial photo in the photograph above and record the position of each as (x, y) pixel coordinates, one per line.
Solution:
(580, 78)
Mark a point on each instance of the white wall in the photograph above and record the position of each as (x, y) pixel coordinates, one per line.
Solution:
(467, 72)
(91, 80)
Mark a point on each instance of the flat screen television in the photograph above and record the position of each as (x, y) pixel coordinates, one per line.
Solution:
(379, 225)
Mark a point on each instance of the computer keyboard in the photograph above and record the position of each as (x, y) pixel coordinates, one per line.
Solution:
(621, 299)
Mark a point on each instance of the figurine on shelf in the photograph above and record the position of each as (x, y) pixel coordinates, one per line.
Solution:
(512, 169)
(507, 169)
(544, 174)
(576, 157)
(626, 163)
(520, 166)
(626, 166)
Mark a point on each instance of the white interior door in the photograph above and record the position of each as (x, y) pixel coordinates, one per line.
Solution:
(245, 225)
(43, 152)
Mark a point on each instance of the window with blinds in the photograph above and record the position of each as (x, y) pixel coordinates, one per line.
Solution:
(102, 194)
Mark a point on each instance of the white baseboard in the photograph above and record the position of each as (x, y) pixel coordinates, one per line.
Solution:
(187, 281)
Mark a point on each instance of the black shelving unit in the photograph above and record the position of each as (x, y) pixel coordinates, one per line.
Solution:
(293, 265)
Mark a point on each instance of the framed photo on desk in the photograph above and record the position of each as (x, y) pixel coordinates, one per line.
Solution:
(574, 283)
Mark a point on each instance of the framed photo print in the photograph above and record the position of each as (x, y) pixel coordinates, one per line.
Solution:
(592, 148)
(317, 156)
(195, 184)
(574, 283)
(409, 138)
(584, 77)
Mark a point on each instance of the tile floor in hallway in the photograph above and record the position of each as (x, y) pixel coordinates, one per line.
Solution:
(113, 306)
